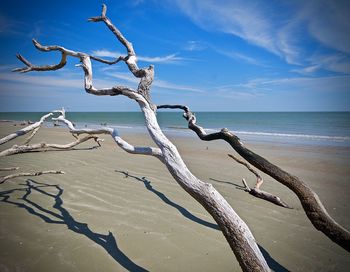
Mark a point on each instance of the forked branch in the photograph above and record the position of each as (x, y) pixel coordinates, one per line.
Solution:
(33, 127)
(256, 190)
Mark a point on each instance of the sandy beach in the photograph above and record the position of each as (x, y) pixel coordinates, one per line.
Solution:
(94, 218)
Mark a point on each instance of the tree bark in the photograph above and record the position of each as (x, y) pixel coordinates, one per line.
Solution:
(310, 201)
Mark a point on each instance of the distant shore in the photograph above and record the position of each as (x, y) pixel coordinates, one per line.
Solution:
(94, 218)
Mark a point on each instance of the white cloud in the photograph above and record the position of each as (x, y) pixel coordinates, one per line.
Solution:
(293, 84)
(338, 63)
(235, 55)
(194, 46)
(307, 70)
(172, 86)
(235, 17)
(106, 53)
(286, 29)
(164, 59)
(127, 77)
(69, 80)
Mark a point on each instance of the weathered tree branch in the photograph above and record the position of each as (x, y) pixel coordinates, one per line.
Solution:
(29, 174)
(9, 168)
(146, 74)
(33, 127)
(310, 201)
(156, 152)
(233, 227)
(256, 190)
(42, 147)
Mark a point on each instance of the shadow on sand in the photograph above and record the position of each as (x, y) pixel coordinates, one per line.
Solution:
(166, 200)
(273, 264)
(238, 186)
(61, 216)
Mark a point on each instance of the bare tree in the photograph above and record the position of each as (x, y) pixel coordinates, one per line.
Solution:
(235, 230)
(310, 201)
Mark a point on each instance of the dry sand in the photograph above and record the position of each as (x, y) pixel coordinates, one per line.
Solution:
(94, 219)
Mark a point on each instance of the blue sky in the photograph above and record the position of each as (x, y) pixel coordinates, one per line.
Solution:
(210, 55)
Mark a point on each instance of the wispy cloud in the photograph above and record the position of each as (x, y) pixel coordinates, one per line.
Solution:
(307, 70)
(293, 84)
(173, 86)
(194, 46)
(69, 80)
(172, 58)
(236, 92)
(235, 17)
(338, 63)
(239, 56)
(288, 36)
(127, 77)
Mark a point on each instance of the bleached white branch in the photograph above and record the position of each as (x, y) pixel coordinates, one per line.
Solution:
(153, 151)
(17, 149)
(146, 74)
(29, 174)
(9, 168)
(25, 130)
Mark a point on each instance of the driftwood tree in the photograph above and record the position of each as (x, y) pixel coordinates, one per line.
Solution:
(310, 201)
(235, 230)
(38, 147)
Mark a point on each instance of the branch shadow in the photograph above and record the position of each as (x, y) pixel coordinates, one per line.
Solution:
(273, 264)
(167, 201)
(238, 186)
(62, 216)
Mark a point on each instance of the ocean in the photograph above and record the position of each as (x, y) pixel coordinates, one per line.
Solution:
(294, 128)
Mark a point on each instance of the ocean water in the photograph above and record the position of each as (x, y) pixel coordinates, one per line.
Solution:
(295, 128)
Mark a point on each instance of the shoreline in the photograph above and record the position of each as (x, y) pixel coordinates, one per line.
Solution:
(156, 225)
(285, 128)
(253, 138)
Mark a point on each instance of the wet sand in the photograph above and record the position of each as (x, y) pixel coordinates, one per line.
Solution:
(93, 218)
